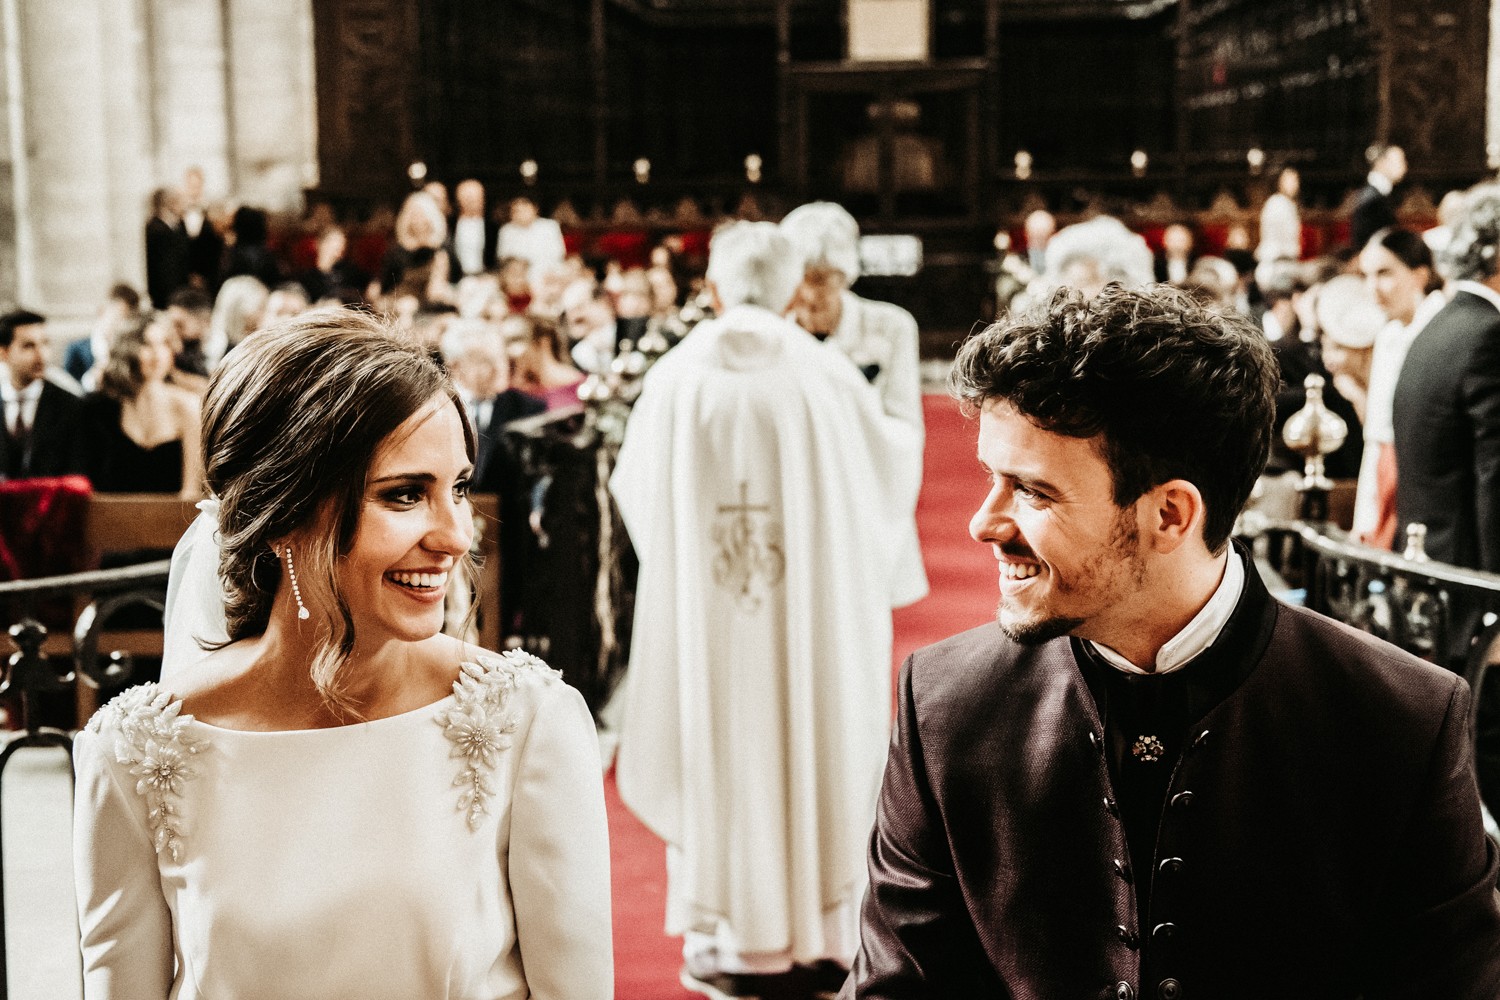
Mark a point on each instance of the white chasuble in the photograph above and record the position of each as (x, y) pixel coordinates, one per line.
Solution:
(765, 490)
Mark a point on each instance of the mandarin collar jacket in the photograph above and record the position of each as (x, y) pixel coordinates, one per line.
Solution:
(1320, 836)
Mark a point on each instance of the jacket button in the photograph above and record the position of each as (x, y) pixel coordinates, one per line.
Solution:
(1122, 870)
(1162, 933)
(1124, 991)
(1182, 800)
(1110, 806)
(1170, 865)
(1169, 989)
(1127, 937)
(1200, 738)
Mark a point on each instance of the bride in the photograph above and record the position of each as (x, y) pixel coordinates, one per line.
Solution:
(326, 797)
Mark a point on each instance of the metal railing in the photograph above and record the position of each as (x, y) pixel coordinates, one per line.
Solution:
(31, 673)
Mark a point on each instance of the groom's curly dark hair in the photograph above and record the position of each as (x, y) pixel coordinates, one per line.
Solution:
(1173, 389)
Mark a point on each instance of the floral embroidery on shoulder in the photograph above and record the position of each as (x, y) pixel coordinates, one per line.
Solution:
(150, 737)
(482, 720)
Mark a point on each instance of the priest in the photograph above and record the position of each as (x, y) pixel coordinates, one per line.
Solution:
(761, 482)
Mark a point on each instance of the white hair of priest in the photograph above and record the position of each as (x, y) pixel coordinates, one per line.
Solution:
(751, 263)
(824, 234)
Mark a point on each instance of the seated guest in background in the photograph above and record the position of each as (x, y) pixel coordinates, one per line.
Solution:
(378, 809)
(286, 300)
(237, 312)
(141, 432)
(85, 354)
(515, 284)
(416, 263)
(1089, 255)
(543, 366)
(534, 239)
(1398, 266)
(249, 252)
(41, 433)
(473, 237)
(1350, 319)
(1175, 260)
(1039, 227)
(191, 312)
(1215, 281)
(477, 359)
(1282, 282)
(594, 331)
(1149, 778)
(334, 277)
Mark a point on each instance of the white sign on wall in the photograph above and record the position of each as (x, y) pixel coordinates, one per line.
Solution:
(889, 30)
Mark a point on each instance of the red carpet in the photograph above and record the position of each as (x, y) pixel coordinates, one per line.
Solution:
(962, 574)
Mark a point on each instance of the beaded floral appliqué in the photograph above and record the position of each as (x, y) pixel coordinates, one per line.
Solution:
(481, 722)
(150, 738)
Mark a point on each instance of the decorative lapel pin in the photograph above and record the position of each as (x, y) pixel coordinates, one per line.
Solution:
(1148, 749)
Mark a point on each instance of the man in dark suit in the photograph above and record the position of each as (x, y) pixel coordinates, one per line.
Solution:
(1150, 778)
(1373, 208)
(41, 436)
(1446, 420)
(167, 247)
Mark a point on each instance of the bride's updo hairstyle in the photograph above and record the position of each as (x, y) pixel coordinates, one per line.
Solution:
(292, 422)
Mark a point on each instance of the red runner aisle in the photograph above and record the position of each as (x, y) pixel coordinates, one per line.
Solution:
(964, 591)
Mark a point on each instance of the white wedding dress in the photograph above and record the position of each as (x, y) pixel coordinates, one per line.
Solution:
(457, 851)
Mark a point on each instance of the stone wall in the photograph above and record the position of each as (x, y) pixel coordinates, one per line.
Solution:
(105, 100)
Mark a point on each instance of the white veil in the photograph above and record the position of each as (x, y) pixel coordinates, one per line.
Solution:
(195, 595)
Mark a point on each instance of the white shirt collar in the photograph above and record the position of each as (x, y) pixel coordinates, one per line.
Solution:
(28, 395)
(1198, 634)
(1380, 182)
(1480, 289)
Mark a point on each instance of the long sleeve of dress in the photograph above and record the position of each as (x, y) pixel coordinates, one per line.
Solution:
(559, 855)
(125, 923)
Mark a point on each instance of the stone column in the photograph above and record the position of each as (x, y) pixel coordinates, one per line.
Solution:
(1492, 92)
(189, 102)
(272, 101)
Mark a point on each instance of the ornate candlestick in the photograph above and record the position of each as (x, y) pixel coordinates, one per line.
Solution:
(1314, 432)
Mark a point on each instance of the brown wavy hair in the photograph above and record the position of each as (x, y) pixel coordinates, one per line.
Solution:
(291, 424)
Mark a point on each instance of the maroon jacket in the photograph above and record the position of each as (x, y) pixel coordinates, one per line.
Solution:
(1322, 839)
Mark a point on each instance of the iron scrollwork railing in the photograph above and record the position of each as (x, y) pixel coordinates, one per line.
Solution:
(31, 673)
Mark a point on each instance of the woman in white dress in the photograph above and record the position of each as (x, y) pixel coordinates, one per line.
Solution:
(1398, 265)
(326, 797)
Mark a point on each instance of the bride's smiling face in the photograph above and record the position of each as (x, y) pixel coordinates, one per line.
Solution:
(415, 525)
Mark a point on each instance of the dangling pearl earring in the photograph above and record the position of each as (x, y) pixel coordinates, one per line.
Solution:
(302, 612)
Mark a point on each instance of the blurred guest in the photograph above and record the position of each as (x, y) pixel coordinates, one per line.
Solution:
(515, 284)
(237, 312)
(205, 245)
(1374, 209)
(1039, 228)
(141, 432)
(84, 355)
(473, 238)
(1176, 259)
(1446, 409)
(1282, 282)
(166, 247)
(543, 366)
(477, 358)
(592, 326)
(333, 276)
(1089, 255)
(1281, 220)
(1350, 318)
(416, 264)
(286, 300)
(41, 433)
(527, 235)
(1448, 211)
(1297, 358)
(1215, 281)
(190, 311)
(249, 253)
(438, 192)
(1398, 267)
